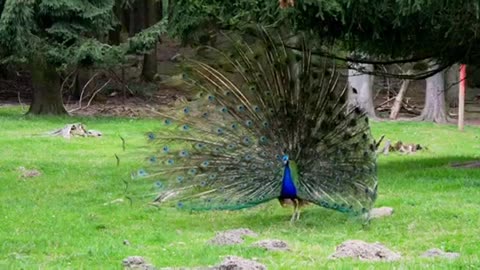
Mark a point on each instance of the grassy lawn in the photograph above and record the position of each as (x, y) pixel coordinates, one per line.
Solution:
(63, 219)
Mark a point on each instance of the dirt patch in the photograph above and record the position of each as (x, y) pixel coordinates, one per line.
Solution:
(130, 106)
(272, 245)
(238, 263)
(137, 263)
(437, 253)
(28, 173)
(364, 251)
(232, 237)
(381, 212)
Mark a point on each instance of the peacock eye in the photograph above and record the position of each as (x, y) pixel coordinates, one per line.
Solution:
(142, 172)
(241, 108)
(285, 158)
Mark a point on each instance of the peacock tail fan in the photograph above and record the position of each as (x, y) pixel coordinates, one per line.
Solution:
(256, 103)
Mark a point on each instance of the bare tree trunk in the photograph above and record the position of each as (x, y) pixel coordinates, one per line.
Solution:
(435, 107)
(47, 95)
(361, 93)
(149, 69)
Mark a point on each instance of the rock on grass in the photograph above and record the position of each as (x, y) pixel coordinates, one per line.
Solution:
(381, 212)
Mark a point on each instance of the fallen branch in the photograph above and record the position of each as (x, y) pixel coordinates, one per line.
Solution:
(122, 81)
(385, 102)
(20, 101)
(85, 87)
(66, 79)
(399, 99)
(91, 98)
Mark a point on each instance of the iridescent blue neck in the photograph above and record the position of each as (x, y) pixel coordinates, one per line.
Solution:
(288, 186)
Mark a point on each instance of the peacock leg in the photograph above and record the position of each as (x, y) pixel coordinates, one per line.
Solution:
(298, 210)
(295, 211)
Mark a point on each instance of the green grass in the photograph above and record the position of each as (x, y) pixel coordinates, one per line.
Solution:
(63, 219)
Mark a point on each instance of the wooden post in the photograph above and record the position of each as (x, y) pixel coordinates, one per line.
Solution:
(461, 97)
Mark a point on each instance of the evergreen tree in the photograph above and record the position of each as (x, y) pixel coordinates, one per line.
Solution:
(49, 36)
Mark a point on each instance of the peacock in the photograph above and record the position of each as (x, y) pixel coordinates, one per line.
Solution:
(266, 122)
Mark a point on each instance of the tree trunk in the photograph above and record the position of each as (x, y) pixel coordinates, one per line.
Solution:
(115, 35)
(47, 95)
(149, 69)
(361, 93)
(435, 108)
(137, 17)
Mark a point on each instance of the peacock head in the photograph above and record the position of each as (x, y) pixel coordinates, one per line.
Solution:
(285, 160)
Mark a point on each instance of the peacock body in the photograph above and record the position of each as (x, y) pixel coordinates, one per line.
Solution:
(267, 123)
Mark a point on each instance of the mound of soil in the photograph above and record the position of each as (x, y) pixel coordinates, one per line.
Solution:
(238, 263)
(232, 237)
(364, 251)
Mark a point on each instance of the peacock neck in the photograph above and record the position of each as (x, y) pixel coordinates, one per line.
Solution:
(288, 186)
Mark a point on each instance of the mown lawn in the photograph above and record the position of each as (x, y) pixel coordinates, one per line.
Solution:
(64, 219)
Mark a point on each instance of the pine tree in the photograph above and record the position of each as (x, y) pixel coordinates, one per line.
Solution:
(49, 36)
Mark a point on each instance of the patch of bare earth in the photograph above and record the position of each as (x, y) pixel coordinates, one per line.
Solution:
(437, 253)
(129, 107)
(136, 263)
(272, 245)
